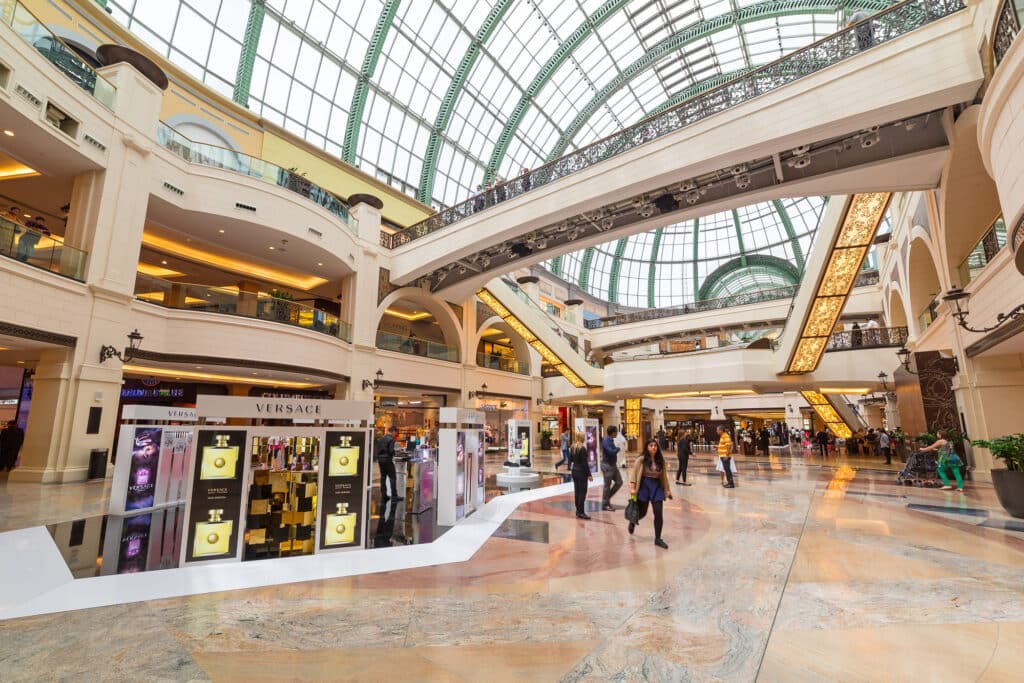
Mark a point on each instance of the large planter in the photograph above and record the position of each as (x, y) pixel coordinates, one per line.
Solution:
(1010, 491)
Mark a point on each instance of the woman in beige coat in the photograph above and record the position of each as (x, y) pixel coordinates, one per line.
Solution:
(648, 485)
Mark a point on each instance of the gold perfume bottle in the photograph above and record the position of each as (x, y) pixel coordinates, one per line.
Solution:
(213, 537)
(341, 526)
(220, 460)
(344, 459)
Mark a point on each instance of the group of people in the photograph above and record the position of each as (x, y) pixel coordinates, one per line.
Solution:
(648, 475)
(870, 443)
(26, 243)
(865, 336)
(495, 192)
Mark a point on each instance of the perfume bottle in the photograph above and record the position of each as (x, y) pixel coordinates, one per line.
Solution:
(213, 537)
(341, 526)
(344, 458)
(220, 460)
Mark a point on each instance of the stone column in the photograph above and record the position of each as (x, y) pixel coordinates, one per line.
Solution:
(892, 411)
(362, 290)
(248, 295)
(794, 401)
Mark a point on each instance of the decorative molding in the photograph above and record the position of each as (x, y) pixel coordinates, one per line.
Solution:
(13, 330)
(237, 362)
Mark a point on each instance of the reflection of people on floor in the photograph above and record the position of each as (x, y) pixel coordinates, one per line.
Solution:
(385, 525)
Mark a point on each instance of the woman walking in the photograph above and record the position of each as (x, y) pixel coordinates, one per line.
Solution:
(648, 484)
(580, 468)
(683, 452)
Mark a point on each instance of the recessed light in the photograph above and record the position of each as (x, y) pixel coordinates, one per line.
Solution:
(271, 248)
(20, 362)
(178, 378)
(163, 263)
(319, 263)
(255, 373)
(27, 215)
(221, 231)
(199, 367)
(9, 133)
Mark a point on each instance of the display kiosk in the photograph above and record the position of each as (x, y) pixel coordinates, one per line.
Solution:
(460, 464)
(517, 472)
(260, 492)
(591, 430)
(152, 455)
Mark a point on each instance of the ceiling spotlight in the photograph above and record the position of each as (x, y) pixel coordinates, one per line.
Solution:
(870, 139)
(441, 275)
(692, 197)
(9, 133)
(463, 270)
(799, 161)
(607, 224)
(743, 181)
(688, 185)
(485, 261)
(573, 234)
(738, 170)
(801, 150)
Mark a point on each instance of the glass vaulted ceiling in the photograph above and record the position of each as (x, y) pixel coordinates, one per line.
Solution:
(437, 96)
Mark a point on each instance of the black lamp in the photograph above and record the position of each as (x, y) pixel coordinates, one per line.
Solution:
(374, 383)
(904, 356)
(479, 393)
(883, 379)
(541, 401)
(958, 299)
(134, 342)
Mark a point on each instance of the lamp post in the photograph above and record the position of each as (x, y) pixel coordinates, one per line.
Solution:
(958, 298)
(134, 342)
(479, 393)
(374, 383)
(904, 356)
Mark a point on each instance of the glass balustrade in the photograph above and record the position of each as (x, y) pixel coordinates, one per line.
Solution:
(496, 362)
(230, 160)
(228, 301)
(41, 250)
(35, 33)
(388, 341)
(984, 251)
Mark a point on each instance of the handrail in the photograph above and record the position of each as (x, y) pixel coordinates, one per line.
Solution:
(35, 33)
(879, 28)
(1008, 24)
(41, 250)
(1018, 234)
(987, 248)
(210, 299)
(228, 159)
(867, 338)
(551, 320)
(746, 298)
(388, 341)
(496, 362)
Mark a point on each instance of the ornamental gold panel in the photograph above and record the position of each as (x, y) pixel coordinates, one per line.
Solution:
(865, 213)
(824, 313)
(493, 303)
(520, 329)
(814, 398)
(573, 378)
(840, 429)
(807, 353)
(842, 269)
(828, 413)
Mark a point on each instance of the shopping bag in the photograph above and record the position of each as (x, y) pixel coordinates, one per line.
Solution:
(632, 511)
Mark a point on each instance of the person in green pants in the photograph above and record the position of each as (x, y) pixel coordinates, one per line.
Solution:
(948, 460)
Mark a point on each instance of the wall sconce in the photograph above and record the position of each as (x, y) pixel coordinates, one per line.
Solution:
(134, 342)
(883, 379)
(958, 298)
(479, 393)
(374, 383)
(904, 356)
(541, 401)
(789, 407)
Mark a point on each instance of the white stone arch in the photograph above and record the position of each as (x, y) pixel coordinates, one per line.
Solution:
(451, 328)
(519, 344)
(896, 313)
(923, 281)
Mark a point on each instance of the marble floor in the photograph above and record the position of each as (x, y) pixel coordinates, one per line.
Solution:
(802, 573)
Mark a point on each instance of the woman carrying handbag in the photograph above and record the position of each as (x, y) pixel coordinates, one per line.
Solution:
(648, 486)
(580, 468)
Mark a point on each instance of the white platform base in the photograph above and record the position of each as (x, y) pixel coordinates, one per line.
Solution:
(516, 476)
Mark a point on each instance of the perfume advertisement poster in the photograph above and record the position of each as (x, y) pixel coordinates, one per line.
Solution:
(460, 473)
(523, 444)
(142, 473)
(134, 547)
(341, 498)
(215, 507)
(481, 477)
(173, 454)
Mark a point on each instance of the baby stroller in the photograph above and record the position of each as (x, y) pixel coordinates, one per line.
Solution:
(920, 470)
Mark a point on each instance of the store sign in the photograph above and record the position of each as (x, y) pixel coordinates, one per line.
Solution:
(136, 390)
(161, 413)
(270, 408)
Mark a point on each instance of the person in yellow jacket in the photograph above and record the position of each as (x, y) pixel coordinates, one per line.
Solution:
(725, 455)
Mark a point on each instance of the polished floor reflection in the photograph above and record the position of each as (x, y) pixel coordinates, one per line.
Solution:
(801, 573)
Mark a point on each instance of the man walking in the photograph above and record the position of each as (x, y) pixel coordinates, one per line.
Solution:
(725, 455)
(623, 445)
(822, 440)
(612, 476)
(883, 445)
(386, 461)
(563, 443)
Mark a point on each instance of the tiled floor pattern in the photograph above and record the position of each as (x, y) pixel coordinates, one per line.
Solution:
(799, 574)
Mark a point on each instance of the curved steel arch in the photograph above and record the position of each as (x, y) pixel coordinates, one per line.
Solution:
(769, 9)
(613, 276)
(444, 114)
(653, 267)
(370, 59)
(543, 77)
(783, 268)
(787, 225)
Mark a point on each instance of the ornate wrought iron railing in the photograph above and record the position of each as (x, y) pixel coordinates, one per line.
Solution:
(1018, 235)
(880, 28)
(757, 297)
(867, 338)
(866, 278)
(1008, 21)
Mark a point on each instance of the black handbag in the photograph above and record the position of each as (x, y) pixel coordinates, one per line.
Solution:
(632, 511)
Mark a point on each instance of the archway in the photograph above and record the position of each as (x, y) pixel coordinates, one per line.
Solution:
(922, 282)
(410, 320)
(897, 315)
(499, 347)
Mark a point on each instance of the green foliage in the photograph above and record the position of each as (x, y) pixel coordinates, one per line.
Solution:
(546, 434)
(927, 438)
(1008, 448)
(281, 294)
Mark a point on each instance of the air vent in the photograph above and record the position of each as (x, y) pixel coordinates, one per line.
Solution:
(314, 231)
(28, 96)
(176, 190)
(246, 207)
(94, 142)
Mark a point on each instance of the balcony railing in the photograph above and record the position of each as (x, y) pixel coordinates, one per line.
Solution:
(35, 33)
(880, 28)
(984, 251)
(1008, 22)
(42, 251)
(227, 301)
(866, 278)
(221, 157)
(867, 338)
(1018, 235)
(756, 297)
(416, 347)
(495, 362)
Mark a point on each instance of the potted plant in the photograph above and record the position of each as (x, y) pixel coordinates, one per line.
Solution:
(1009, 483)
(545, 439)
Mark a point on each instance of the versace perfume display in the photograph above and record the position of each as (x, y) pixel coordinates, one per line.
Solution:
(340, 526)
(219, 461)
(213, 537)
(142, 473)
(344, 458)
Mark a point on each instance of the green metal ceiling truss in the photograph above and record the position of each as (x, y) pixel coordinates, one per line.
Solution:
(444, 114)
(355, 118)
(613, 277)
(247, 57)
(556, 266)
(652, 268)
(717, 281)
(787, 224)
(770, 9)
(739, 235)
(696, 254)
(543, 77)
(583, 277)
